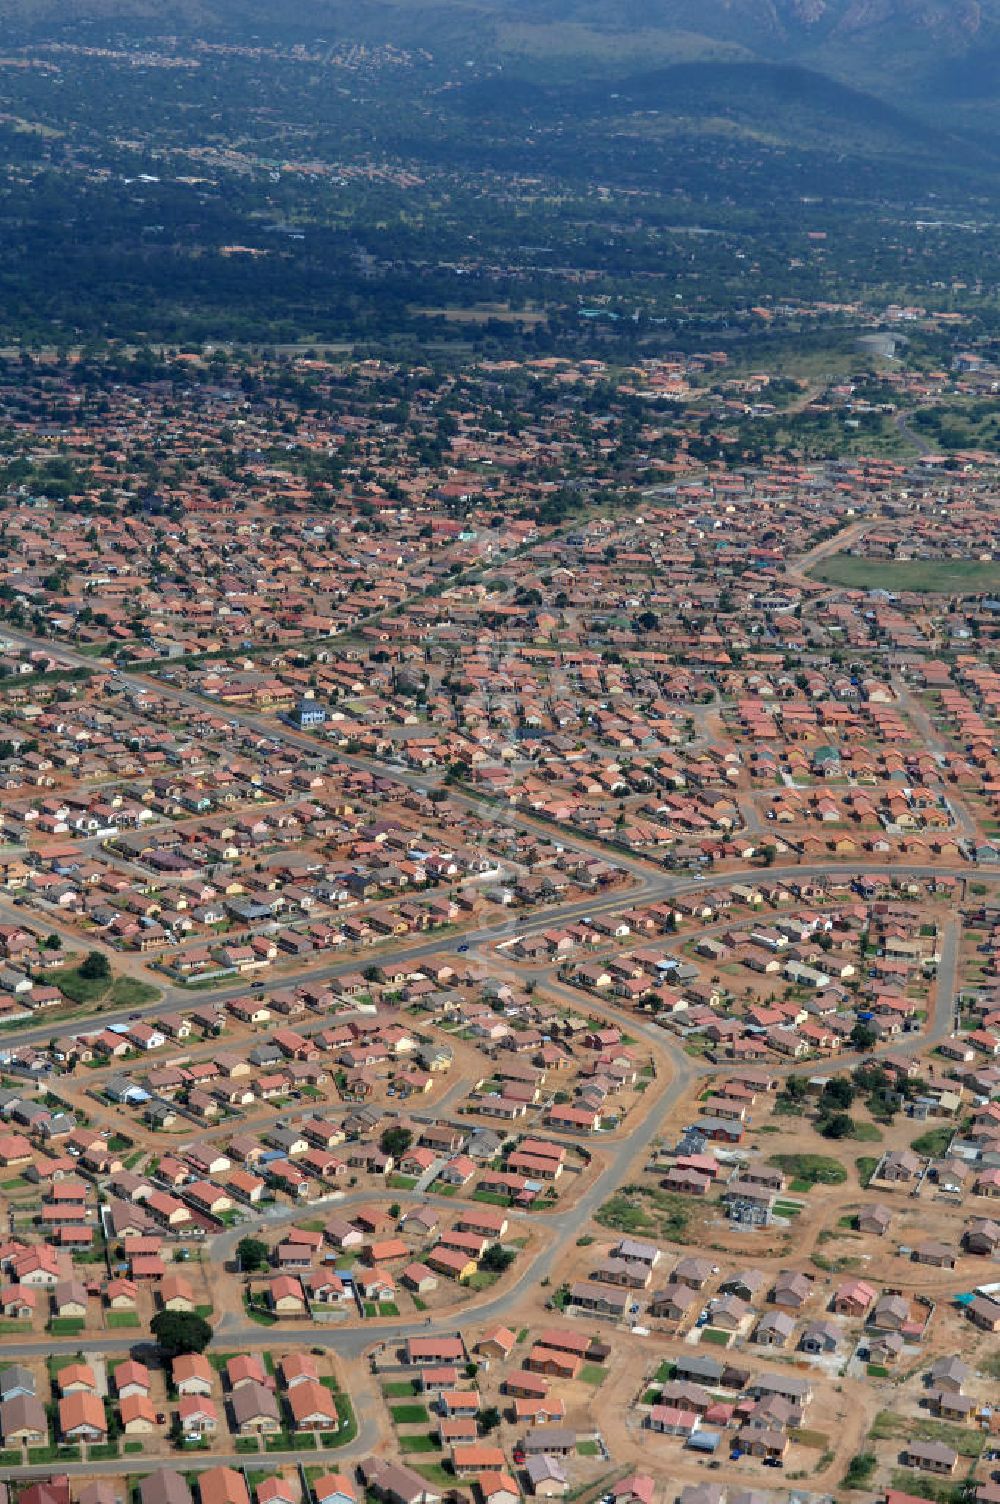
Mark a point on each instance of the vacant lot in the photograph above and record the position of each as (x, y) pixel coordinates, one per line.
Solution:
(947, 576)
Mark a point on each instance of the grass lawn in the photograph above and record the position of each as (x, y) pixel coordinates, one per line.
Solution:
(800, 1186)
(587, 1449)
(715, 1336)
(348, 1424)
(418, 1444)
(439, 1476)
(924, 1486)
(66, 1326)
(806, 1438)
(934, 1142)
(402, 1389)
(410, 1415)
(810, 1169)
(866, 1167)
(125, 992)
(117, 1319)
(593, 1373)
(925, 576)
(388, 1308)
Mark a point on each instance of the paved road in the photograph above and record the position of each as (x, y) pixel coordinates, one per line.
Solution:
(677, 1072)
(938, 747)
(916, 439)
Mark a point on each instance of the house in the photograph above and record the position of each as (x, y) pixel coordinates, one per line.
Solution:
(672, 1302)
(255, 1410)
(23, 1418)
(938, 1255)
(498, 1488)
(791, 1290)
(774, 1329)
(164, 1486)
(137, 1415)
(672, 1420)
(949, 1374)
(334, 1488)
(223, 1485)
(930, 1457)
(547, 1476)
(637, 1488)
(875, 1219)
(395, 1483)
(197, 1415)
(900, 1166)
(312, 1405)
(245, 1368)
(984, 1313)
(497, 1343)
(819, 1337)
(130, 1378)
(429, 1350)
(474, 1457)
(75, 1378)
(599, 1299)
(69, 1298)
(982, 1236)
(16, 1380)
(192, 1374)
(854, 1297)
(81, 1417)
(286, 1296)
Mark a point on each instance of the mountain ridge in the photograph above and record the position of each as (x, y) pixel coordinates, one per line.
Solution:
(919, 54)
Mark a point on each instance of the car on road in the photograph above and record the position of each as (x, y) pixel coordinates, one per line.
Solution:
(463, 947)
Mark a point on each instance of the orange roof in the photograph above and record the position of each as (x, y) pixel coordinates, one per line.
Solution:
(222, 1485)
(136, 1407)
(81, 1408)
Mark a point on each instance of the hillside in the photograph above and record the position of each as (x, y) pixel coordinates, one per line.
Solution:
(934, 59)
(892, 44)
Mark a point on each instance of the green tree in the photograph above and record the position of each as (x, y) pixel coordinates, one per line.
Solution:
(252, 1253)
(396, 1141)
(95, 967)
(840, 1125)
(180, 1332)
(496, 1259)
(837, 1093)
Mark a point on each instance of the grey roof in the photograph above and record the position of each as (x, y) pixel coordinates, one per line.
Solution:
(543, 1469)
(251, 1400)
(165, 1486)
(16, 1379)
(23, 1412)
